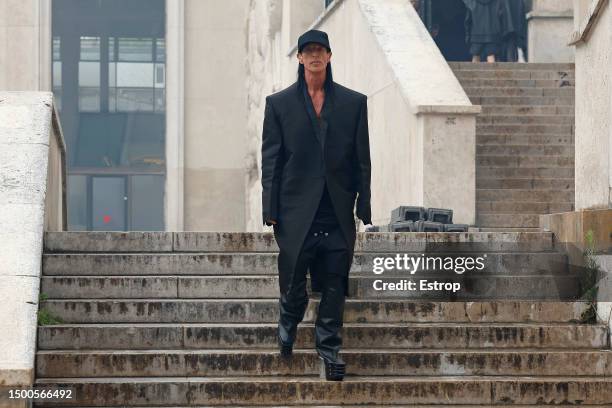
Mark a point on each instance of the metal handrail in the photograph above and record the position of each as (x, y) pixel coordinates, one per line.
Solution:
(59, 137)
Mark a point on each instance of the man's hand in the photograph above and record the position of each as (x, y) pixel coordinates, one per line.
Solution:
(271, 222)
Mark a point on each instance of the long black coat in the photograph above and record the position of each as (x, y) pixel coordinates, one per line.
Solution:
(297, 161)
(514, 22)
(483, 21)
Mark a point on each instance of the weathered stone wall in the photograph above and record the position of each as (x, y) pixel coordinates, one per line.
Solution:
(593, 112)
(25, 45)
(26, 137)
(55, 198)
(581, 7)
(604, 294)
(550, 22)
(263, 78)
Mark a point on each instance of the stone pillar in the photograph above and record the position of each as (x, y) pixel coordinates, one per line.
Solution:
(215, 96)
(449, 159)
(175, 115)
(593, 131)
(549, 24)
(25, 45)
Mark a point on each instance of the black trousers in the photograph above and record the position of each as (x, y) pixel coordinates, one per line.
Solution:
(509, 49)
(326, 246)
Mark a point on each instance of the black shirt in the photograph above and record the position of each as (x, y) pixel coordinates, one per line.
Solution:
(325, 217)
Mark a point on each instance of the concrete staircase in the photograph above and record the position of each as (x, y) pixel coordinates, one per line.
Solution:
(189, 319)
(524, 141)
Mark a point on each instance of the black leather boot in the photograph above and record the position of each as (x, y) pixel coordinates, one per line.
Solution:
(286, 349)
(332, 370)
(328, 325)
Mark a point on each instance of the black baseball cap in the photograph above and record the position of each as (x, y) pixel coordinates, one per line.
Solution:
(313, 36)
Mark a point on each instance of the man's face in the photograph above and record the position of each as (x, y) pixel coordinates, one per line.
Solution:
(314, 57)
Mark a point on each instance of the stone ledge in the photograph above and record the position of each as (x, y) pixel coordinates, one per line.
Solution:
(474, 390)
(588, 23)
(193, 241)
(571, 227)
(549, 14)
(448, 109)
(12, 376)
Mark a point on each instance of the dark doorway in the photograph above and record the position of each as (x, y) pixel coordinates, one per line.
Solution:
(445, 21)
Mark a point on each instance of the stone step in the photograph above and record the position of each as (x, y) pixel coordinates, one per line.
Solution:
(527, 110)
(524, 136)
(555, 284)
(514, 74)
(524, 150)
(523, 195)
(524, 129)
(508, 220)
(505, 91)
(533, 161)
(516, 172)
(377, 406)
(516, 66)
(260, 263)
(385, 311)
(524, 119)
(233, 391)
(518, 83)
(506, 229)
(370, 406)
(525, 183)
(119, 242)
(518, 207)
(134, 336)
(538, 139)
(268, 362)
(522, 100)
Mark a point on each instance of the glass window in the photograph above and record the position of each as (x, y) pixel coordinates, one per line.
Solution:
(160, 50)
(136, 82)
(77, 203)
(56, 48)
(89, 74)
(89, 86)
(147, 202)
(112, 49)
(109, 80)
(90, 49)
(134, 75)
(136, 49)
(56, 72)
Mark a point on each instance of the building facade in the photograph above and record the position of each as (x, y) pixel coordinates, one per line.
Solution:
(152, 100)
(161, 100)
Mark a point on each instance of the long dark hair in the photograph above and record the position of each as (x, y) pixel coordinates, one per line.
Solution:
(329, 78)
